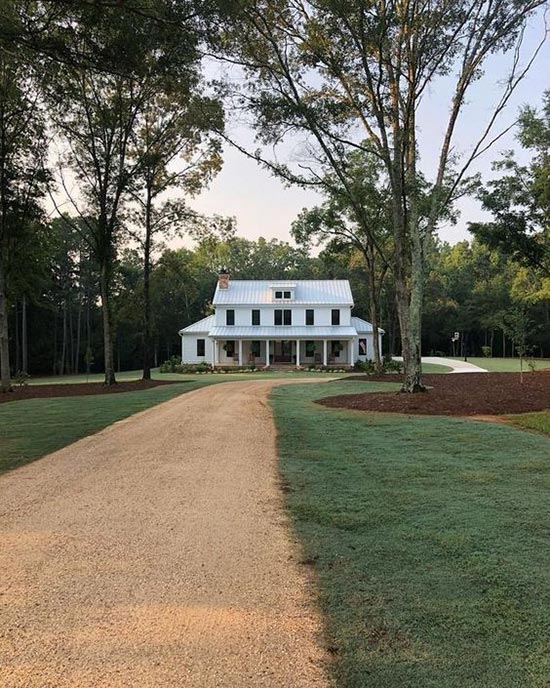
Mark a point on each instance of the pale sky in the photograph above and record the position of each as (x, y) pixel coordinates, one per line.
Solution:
(264, 206)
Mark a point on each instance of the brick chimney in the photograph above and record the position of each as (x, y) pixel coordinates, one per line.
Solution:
(223, 279)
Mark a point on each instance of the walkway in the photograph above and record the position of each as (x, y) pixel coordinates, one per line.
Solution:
(157, 554)
(457, 366)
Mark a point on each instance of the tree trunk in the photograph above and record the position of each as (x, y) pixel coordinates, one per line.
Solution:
(64, 344)
(373, 307)
(108, 356)
(5, 376)
(17, 338)
(76, 363)
(147, 292)
(24, 337)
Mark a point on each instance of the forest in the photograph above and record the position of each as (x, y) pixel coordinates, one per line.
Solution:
(110, 127)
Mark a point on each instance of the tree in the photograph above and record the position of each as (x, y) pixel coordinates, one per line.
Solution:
(342, 72)
(368, 232)
(175, 149)
(520, 199)
(98, 113)
(22, 173)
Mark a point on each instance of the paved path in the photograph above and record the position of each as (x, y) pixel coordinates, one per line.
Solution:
(457, 366)
(155, 554)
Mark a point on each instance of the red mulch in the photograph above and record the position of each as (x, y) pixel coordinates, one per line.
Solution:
(459, 394)
(78, 389)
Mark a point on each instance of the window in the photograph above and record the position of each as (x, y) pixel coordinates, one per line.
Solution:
(283, 316)
(255, 348)
(310, 349)
(335, 348)
(335, 316)
(230, 317)
(310, 316)
(229, 349)
(278, 294)
(362, 347)
(255, 317)
(287, 295)
(200, 347)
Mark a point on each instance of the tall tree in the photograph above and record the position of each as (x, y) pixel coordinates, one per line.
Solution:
(519, 200)
(98, 112)
(176, 150)
(342, 72)
(370, 232)
(22, 171)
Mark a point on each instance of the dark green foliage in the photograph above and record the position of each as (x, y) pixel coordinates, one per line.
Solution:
(428, 537)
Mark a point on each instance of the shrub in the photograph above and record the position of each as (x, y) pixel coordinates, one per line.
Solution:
(486, 351)
(20, 378)
(391, 366)
(366, 367)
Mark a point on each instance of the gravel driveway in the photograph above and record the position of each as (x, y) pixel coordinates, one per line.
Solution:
(156, 553)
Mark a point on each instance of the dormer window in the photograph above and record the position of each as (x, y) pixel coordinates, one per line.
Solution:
(283, 292)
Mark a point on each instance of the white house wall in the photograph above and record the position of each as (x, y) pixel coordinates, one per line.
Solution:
(189, 348)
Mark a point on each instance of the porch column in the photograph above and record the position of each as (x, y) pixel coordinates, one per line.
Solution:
(351, 344)
(216, 352)
(324, 352)
(240, 352)
(297, 353)
(267, 353)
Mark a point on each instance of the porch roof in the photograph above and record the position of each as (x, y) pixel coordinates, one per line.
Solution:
(282, 332)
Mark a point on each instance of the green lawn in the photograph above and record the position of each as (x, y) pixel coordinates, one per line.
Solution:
(429, 540)
(505, 365)
(34, 427)
(539, 421)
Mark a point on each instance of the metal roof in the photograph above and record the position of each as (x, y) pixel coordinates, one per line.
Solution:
(204, 325)
(363, 326)
(251, 292)
(281, 332)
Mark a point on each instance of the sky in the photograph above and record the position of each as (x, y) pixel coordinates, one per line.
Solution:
(264, 206)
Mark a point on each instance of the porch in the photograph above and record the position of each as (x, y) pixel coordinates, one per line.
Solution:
(283, 352)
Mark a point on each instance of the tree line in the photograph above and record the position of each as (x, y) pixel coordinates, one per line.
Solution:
(107, 117)
(57, 328)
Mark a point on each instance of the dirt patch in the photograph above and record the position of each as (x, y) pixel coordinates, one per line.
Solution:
(78, 389)
(456, 395)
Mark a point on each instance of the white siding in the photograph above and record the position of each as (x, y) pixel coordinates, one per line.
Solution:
(243, 315)
(189, 348)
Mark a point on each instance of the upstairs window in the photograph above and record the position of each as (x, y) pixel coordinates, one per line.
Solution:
(230, 317)
(310, 316)
(200, 347)
(335, 319)
(255, 317)
(283, 317)
(287, 295)
(278, 294)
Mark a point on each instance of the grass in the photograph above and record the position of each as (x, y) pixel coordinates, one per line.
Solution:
(505, 365)
(539, 421)
(428, 537)
(31, 428)
(129, 375)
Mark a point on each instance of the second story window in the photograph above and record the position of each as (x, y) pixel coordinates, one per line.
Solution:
(278, 294)
(230, 317)
(283, 317)
(310, 316)
(255, 317)
(335, 316)
(287, 294)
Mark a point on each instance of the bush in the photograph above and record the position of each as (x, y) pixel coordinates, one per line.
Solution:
(486, 351)
(174, 365)
(391, 366)
(366, 367)
(20, 378)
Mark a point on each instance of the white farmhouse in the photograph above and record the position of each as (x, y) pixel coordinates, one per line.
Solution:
(279, 322)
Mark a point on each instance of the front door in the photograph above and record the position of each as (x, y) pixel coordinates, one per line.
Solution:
(283, 352)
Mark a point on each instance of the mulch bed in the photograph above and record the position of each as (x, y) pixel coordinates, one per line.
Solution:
(464, 394)
(78, 389)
